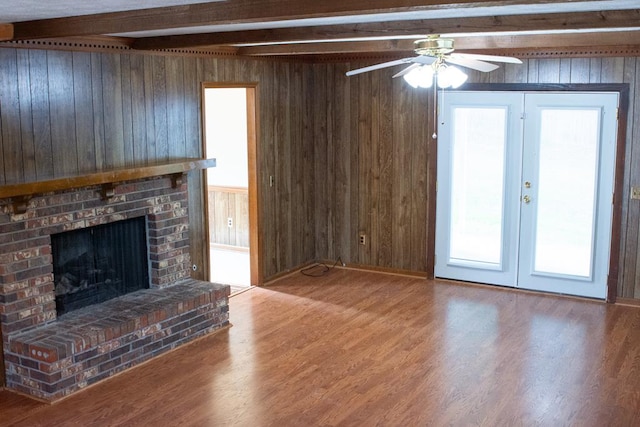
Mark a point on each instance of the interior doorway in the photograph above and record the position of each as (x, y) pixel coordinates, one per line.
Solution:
(231, 187)
(525, 187)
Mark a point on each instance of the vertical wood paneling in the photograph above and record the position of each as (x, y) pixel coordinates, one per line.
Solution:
(595, 68)
(347, 154)
(532, 70)
(341, 164)
(26, 119)
(548, 71)
(516, 73)
(319, 103)
(62, 110)
(630, 285)
(73, 112)
(365, 165)
(351, 235)
(431, 184)
(84, 111)
(150, 120)
(612, 70)
(194, 149)
(296, 165)
(329, 171)
(630, 209)
(241, 221)
(579, 70)
(175, 107)
(392, 179)
(127, 111)
(159, 96)
(113, 114)
(10, 123)
(40, 113)
(418, 191)
(386, 207)
(308, 187)
(401, 175)
(98, 110)
(374, 175)
(565, 70)
(267, 152)
(138, 117)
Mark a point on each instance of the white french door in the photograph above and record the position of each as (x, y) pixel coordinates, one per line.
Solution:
(525, 185)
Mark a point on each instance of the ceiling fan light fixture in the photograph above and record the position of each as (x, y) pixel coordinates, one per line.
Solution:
(433, 45)
(450, 77)
(420, 77)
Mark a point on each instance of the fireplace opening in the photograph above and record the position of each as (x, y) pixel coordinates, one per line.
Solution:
(95, 264)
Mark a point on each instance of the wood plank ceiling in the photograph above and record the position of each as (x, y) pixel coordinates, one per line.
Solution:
(311, 27)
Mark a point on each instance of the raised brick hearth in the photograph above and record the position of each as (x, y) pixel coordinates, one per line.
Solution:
(50, 358)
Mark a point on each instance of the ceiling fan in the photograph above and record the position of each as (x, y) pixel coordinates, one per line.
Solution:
(433, 63)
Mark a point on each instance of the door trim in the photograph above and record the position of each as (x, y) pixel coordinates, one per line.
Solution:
(618, 190)
(255, 242)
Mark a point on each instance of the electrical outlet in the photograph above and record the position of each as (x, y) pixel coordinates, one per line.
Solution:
(230, 222)
(635, 193)
(362, 239)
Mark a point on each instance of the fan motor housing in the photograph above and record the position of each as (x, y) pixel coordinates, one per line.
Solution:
(433, 46)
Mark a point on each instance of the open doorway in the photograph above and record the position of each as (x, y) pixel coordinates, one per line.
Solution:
(231, 194)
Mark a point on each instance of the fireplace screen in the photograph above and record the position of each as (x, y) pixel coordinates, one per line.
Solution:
(95, 264)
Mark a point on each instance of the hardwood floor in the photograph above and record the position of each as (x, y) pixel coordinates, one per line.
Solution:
(359, 348)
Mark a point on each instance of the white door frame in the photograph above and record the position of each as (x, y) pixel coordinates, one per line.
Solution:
(617, 225)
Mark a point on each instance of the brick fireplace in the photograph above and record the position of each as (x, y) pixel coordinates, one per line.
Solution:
(49, 357)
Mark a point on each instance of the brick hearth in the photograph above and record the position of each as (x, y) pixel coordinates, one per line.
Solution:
(49, 357)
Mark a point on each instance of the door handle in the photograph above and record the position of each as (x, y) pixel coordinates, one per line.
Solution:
(526, 199)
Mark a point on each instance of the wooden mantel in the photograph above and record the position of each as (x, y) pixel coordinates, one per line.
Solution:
(20, 194)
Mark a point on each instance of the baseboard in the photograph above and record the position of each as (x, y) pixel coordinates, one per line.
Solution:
(288, 272)
(633, 302)
(375, 269)
(337, 264)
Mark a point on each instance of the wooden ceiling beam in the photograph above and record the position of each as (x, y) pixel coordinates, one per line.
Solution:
(382, 46)
(476, 43)
(6, 32)
(556, 21)
(234, 12)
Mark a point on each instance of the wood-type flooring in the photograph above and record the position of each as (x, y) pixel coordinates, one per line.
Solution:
(358, 348)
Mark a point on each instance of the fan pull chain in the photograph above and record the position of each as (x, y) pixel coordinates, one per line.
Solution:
(435, 113)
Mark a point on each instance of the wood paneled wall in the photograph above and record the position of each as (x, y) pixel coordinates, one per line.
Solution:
(225, 204)
(375, 174)
(67, 113)
(347, 155)
(371, 175)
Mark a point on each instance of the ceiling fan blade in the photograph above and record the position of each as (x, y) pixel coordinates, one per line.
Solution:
(474, 64)
(424, 60)
(379, 66)
(494, 58)
(406, 70)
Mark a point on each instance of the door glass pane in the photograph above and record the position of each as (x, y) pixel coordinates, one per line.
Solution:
(477, 185)
(568, 155)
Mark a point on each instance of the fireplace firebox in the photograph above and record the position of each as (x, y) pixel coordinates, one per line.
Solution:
(95, 264)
